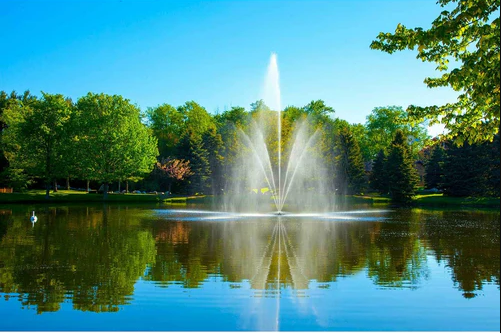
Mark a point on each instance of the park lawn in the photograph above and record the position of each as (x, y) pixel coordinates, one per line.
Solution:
(439, 200)
(38, 196)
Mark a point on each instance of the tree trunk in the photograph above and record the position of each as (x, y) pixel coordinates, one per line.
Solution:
(47, 190)
(88, 183)
(55, 186)
(68, 182)
(126, 186)
(118, 186)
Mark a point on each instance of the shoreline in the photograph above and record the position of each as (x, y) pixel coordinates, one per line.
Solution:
(74, 197)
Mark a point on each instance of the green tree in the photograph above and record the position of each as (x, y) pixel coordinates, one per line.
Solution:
(433, 169)
(378, 177)
(196, 119)
(213, 144)
(350, 163)
(382, 124)
(318, 111)
(402, 176)
(259, 106)
(167, 124)
(472, 169)
(38, 137)
(191, 148)
(469, 35)
(117, 145)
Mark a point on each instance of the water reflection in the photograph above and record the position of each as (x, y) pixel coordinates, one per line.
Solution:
(93, 256)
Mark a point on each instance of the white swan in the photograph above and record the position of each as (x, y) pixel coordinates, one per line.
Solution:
(33, 217)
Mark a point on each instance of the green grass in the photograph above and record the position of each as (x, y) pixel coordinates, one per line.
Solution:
(65, 196)
(38, 196)
(444, 201)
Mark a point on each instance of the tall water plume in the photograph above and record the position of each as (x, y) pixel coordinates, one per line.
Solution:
(294, 183)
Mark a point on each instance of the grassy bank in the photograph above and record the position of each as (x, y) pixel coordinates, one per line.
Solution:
(65, 196)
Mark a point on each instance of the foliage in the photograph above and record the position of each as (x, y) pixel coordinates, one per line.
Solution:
(191, 149)
(350, 163)
(213, 144)
(472, 170)
(36, 136)
(402, 176)
(434, 167)
(167, 125)
(117, 145)
(379, 178)
(174, 170)
(469, 34)
(382, 125)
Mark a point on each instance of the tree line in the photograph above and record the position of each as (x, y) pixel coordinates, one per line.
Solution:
(106, 139)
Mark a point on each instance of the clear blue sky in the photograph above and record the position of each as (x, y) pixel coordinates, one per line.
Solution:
(216, 52)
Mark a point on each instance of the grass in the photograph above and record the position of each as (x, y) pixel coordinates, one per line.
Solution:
(439, 200)
(70, 196)
(67, 196)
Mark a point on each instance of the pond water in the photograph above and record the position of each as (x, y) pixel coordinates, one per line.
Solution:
(123, 267)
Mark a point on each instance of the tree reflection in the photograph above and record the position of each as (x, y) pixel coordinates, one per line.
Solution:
(92, 256)
(471, 248)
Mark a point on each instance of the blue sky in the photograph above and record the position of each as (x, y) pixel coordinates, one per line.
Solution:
(216, 52)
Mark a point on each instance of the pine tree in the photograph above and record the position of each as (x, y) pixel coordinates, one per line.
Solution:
(213, 144)
(402, 175)
(191, 148)
(351, 163)
(434, 167)
(379, 178)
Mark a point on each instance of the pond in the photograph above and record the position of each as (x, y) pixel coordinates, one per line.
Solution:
(180, 268)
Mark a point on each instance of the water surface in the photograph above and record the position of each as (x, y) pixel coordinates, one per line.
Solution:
(119, 267)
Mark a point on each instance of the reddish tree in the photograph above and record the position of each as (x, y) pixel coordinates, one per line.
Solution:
(174, 170)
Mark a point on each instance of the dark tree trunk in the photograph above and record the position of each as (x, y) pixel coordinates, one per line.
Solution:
(47, 190)
(68, 182)
(88, 183)
(105, 196)
(126, 186)
(55, 186)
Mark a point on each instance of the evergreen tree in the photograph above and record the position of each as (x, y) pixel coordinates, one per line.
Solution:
(351, 163)
(434, 167)
(191, 148)
(379, 178)
(213, 144)
(472, 169)
(402, 175)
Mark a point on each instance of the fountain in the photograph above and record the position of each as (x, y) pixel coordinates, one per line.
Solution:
(290, 170)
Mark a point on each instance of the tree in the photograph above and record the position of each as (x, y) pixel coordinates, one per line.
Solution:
(191, 148)
(259, 106)
(351, 163)
(167, 124)
(213, 144)
(434, 169)
(38, 138)
(196, 119)
(318, 111)
(174, 170)
(117, 145)
(472, 170)
(378, 177)
(469, 35)
(382, 124)
(402, 176)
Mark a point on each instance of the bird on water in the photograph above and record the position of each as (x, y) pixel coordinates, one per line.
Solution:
(33, 217)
